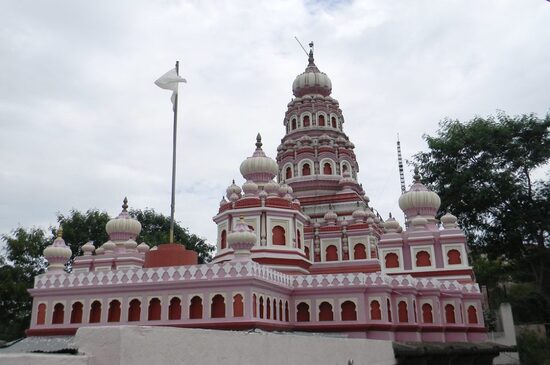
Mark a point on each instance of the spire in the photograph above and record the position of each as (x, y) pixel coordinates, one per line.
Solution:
(125, 204)
(311, 60)
(259, 143)
(60, 231)
(416, 176)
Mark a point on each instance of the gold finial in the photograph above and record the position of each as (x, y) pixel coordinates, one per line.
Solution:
(60, 231)
(259, 141)
(416, 176)
(125, 204)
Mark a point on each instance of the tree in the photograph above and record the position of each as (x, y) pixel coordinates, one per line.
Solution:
(22, 258)
(485, 172)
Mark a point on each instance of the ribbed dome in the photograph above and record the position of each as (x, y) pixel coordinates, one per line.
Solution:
(58, 253)
(259, 168)
(311, 81)
(123, 227)
(241, 234)
(419, 200)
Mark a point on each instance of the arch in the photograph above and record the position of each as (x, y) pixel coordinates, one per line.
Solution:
(261, 307)
(286, 311)
(321, 120)
(299, 238)
(195, 308)
(423, 259)
(327, 168)
(58, 313)
(306, 169)
(223, 239)
(95, 312)
(333, 122)
(174, 309)
(268, 309)
(305, 121)
(275, 309)
(134, 310)
(254, 306)
(453, 257)
(302, 314)
(41, 315)
(217, 307)
(472, 315)
(325, 312)
(278, 237)
(388, 306)
(306, 251)
(331, 253)
(373, 252)
(288, 172)
(113, 314)
(293, 124)
(154, 310)
(402, 311)
(359, 252)
(375, 312)
(238, 306)
(450, 313)
(280, 310)
(76, 312)
(392, 260)
(349, 312)
(427, 313)
(345, 167)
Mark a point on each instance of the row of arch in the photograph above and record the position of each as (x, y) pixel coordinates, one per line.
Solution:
(307, 121)
(306, 168)
(269, 308)
(359, 252)
(278, 237)
(154, 310)
(348, 312)
(422, 259)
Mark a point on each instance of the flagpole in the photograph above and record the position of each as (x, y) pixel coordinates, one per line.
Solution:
(173, 201)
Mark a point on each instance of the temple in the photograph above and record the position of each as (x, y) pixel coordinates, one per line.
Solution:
(299, 248)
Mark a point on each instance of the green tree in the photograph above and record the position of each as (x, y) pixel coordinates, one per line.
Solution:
(484, 171)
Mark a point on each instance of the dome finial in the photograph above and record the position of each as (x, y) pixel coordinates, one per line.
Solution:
(259, 143)
(125, 204)
(60, 231)
(416, 176)
(311, 60)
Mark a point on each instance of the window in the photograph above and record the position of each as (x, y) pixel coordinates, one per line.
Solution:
(472, 315)
(174, 309)
(113, 314)
(423, 259)
(333, 120)
(278, 236)
(238, 306)
(331, 253)
(302, 314)
(275, 309)
(134, 311)
(450, 313)
(306, 121)
(348, 312)
(154, 310)
(345, 168)
(195, 308)
(41, 316)
(224, 239)
(359, 252)
(280, 310)
(403, 313)
(321, 119)
(293, 124)
(375, 313)
(454, 257)
(325, 312)
(58, 313)
(254, 306)
(261, 307)
(427, 314)
(306, 251)
(268, 309)
(286, 311)
(392, 260)
(327, 168)
(288, 173)
(95, 312)
(76, 313)
(217, 307)
(306, 170)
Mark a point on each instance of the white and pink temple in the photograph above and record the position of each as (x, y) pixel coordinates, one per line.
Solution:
(299, 248)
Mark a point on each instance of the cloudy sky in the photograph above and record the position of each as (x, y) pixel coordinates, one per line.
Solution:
(82, 125)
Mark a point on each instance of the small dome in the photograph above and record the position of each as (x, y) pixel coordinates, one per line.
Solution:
(285, 189)
(130, 245)
(271, 188)
(419, 222)
(88, 248)
(391, 225)
(223, 201)
(143, 247)
(330, 216)
(418, 200)
(259, 168)
(58, 253)
(241, 234)
(233, 189)
(109, 246)
(123, 227)
(311, 81)
(234, 197)
(359, 215)
(262, 194)
(448, 221)
(99, 251)
(250, 188)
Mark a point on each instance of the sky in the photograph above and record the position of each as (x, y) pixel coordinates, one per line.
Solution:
(82, 125)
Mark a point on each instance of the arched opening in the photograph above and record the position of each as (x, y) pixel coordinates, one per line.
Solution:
(217, 307)
(325, 312)
(288, 173)
(348, 312)
(254, 306)
(388, 306)
(327, 168)
(261, 307)
(375, 312)
(238, 306)
(331, 253)
(306, 121)
(403, 313)
(392, 260)
(58, 313)
(41, 315)
(95, 312)
(154, 310)
(450, 313)
(275, 309)
(76, 312)
(293, 124)
(268, 309)
(423, 259)
(113, 314)
(345, 168)
(333, 120)
(302, 314)
(359, 252)
(174, 309)
(373, 253)
(195, 308)
(321, 120)
(286, 311)
(299, 238)
(134, 311)
(427, 314)
(472, 315)
(453, 257)
(280, 310)
(306, 251)
(224, 239)
(278, 236)
(306, 169)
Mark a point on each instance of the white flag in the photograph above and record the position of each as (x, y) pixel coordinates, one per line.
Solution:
(170, 81)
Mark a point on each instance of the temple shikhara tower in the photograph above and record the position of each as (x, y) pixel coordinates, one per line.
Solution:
(299, 248)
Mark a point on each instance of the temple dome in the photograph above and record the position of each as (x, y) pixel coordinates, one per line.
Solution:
(123, 227)
(311, 81)
(259, 168)
(418, 200)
